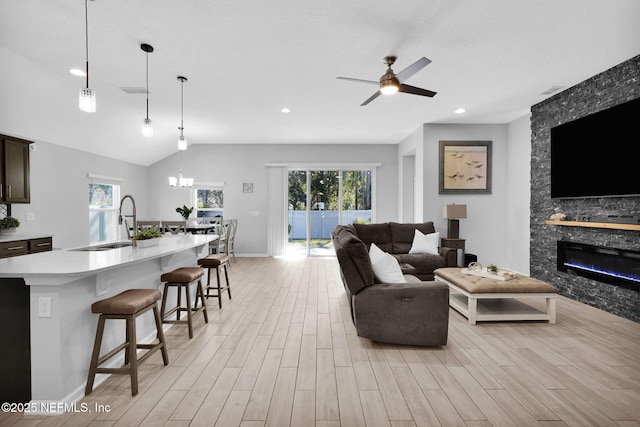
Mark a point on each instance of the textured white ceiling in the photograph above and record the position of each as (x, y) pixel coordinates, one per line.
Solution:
(245, 60)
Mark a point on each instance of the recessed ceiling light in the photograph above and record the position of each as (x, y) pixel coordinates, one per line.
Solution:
(460, 111)
(285, 110)
(77, 72)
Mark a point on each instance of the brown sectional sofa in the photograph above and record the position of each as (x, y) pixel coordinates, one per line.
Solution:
(412, 313)
(396, 238)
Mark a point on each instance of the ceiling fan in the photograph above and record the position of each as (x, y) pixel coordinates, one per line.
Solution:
(391, 82)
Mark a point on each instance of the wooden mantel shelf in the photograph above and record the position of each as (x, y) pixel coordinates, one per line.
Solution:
(610, 225)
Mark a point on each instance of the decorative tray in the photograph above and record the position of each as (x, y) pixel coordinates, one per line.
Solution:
(502, 273)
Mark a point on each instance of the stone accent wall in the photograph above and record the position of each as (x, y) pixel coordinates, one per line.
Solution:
(612, 87)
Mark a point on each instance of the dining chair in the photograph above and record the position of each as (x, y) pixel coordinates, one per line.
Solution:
(233, 228)
(174, 227)
(219, 246)
(149, 224)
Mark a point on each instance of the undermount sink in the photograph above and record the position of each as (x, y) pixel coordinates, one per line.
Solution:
(105, 247)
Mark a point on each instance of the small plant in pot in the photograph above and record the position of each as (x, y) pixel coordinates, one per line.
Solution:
(144, 237)
(184, 211)
(8, 225)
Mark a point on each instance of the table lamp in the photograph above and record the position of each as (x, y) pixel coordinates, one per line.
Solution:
(453, 213)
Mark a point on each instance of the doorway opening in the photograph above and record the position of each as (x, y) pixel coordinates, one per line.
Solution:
(321, 199)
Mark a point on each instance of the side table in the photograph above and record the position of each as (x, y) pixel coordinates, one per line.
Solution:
(454, 243)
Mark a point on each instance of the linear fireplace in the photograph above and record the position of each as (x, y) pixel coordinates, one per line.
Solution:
(609, 265)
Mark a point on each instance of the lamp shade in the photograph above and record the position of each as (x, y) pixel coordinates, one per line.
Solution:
(454, 211)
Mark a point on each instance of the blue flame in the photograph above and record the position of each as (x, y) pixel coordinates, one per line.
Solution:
(605, 272)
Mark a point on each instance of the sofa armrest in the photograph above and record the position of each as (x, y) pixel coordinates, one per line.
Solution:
(415, 313)
(450, 255)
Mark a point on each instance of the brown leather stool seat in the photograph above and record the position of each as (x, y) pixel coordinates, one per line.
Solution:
(127, 305)
(216, 261)
(181, 278)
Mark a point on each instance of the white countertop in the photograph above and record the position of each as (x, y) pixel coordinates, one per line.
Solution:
(70, 263)
(17, 236)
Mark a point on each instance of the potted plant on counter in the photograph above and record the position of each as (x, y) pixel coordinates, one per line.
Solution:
(147, 237)
(8, 225)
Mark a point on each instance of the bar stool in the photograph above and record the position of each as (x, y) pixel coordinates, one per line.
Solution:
(181, 278)
(216, 261)
(127, 305)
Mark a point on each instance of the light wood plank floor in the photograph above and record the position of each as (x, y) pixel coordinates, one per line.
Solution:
(283, 352)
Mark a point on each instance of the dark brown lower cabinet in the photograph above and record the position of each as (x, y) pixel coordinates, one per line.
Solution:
(15, 357)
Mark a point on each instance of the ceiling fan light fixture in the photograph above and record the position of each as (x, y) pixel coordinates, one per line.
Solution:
(389, 84)
(389, 87)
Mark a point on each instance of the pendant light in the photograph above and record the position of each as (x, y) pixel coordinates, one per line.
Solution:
(147, 125)
(180, 182)
(182, 141)
(87, 99)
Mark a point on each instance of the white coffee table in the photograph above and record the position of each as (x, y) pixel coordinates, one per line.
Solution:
(481, 299)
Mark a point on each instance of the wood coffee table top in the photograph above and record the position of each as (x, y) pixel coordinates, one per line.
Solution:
(477, 284)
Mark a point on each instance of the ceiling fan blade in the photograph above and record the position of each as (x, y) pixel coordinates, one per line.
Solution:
(412, 69)
(416, 90)
(359, 80)
(371, 98)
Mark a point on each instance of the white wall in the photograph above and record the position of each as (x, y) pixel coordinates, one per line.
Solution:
(483, 228)
(518, 192)
(236, 164)
(60, 195)
(412, 146)
(497, 224)
(496, 228)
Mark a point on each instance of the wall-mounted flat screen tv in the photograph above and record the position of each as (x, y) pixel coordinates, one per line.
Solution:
(596, 155)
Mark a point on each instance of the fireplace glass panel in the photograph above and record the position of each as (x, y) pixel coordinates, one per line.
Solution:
(609, 265)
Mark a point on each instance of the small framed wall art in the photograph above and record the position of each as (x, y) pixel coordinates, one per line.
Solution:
(247, 187)
(465, 167)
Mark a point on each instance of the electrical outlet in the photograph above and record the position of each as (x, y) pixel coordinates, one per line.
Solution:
(31, 216)
(44, 307)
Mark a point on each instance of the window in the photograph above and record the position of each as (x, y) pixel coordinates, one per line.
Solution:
(209, 202)
(104, 202)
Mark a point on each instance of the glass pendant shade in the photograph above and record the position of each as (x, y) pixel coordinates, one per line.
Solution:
(147, 127)
(182, 143)
(87, 100)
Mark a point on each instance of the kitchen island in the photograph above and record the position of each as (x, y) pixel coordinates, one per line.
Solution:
(55, 291)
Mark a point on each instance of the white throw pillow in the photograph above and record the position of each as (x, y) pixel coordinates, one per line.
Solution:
(385, 267)
(425, 243)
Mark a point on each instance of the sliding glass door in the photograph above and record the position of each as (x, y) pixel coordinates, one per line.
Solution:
(321, 199)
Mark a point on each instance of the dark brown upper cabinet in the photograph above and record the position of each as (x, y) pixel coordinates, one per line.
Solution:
(14, 170)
